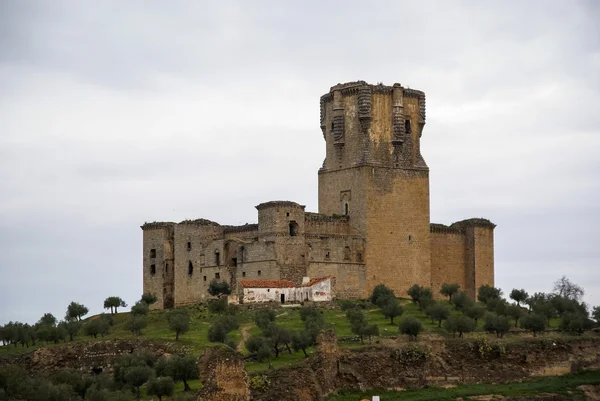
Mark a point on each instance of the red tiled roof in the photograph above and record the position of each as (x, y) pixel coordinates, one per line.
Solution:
(267, 284)
(315, 281)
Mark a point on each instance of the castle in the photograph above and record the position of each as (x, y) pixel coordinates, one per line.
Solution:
(373, 224)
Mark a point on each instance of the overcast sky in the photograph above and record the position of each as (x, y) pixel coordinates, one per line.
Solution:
(117, 113)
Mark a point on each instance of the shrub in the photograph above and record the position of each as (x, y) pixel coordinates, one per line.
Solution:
(380, 294)
(438, 313)
(449, 290)
(460, 324)
(534, 323)
(410, 326)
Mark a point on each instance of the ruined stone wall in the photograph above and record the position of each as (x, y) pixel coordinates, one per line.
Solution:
(447, 259)
(157, 249)
(196, 266)
(484, 256)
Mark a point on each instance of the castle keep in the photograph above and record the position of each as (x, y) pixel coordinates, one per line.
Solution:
(373, 224)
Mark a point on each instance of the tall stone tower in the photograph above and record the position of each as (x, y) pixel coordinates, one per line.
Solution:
(374, 172)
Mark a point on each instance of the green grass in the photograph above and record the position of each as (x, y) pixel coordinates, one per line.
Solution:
(196, 339)
(563, 385)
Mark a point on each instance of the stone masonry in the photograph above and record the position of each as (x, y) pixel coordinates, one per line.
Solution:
(373, 224)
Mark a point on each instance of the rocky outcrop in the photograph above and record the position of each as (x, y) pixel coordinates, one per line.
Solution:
(92, 357)
(223, 376)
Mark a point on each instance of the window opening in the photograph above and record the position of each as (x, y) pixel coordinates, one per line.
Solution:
(153, 269)
(204, 278)
(347, 253)
(293, 228)
(259, 272)
(234, 261)
(152, 253)
(189, 246)
(167, 268)
(407, 126)
(217, 276)
(217, 258)
(327, 255)
(243, 274)
(346, 209)
(190, 268)
(242, 249)
(359, 257)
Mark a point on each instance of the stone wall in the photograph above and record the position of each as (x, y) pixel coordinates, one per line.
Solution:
(158, 263)
(447, 260)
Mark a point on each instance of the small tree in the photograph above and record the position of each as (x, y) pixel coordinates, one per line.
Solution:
(475, 312)
(179, 368)
(96, 326)
(136, 376)
(449, 290)
(575, 322)
(487, 292)
(391, 309)
(534, 323)
(218, 288)
(47, 320)
(460, 324)
(71, 327)
(496, 324)
(179, 321)
(596, 314)
(301, 340)
(410, 326)
(425, 299)
(516, 312)
(414, 293)
(380, 295)
(519, 296)
(76, 311)
(259, 347)
(438, 313)
(113, 303)
(137, 323)
(148, 298)
(461, 300)
(161, 386)
(359, 324)
(565, 288)
(140, 309)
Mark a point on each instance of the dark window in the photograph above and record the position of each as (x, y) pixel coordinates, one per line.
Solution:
(293, 228)
(268, 290)
(259, 272)
(347, 253)
(287, 214)
(407, 126)
(242, 249)
(410, 237)
(243, 274)
(153, 269)
(217, 258)
(152, 253)
(190, 268)
(359, 257)
(204, 278)
(346, 209)
(189, 246)
(217, 276)
(326, 255)
(167, 268)
(234, 261)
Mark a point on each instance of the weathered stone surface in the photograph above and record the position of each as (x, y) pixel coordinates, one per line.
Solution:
(223, 376)
(90, 357)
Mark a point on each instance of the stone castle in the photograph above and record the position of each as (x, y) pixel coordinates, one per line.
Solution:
(373, 224)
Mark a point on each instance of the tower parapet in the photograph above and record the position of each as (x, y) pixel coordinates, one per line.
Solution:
(379, 125)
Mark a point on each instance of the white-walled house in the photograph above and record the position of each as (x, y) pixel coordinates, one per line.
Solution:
(318, 289)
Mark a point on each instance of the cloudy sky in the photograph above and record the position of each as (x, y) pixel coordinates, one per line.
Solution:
(117, 113)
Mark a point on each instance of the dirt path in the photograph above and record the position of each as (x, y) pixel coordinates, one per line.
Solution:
(244, 332)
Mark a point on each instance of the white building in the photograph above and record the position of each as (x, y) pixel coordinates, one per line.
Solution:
(317, 289)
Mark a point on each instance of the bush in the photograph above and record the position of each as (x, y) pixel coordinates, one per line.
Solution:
(415, 293)
(496, 324)
(461, 300)
(391, 308)
(534, 323)
(486, 293)
(438, 312)
(380, 295)
(161, 386)
(218, 306)
(179, 321)
(475, 312)
(460, 324)
(410, 326)
(449, 290)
